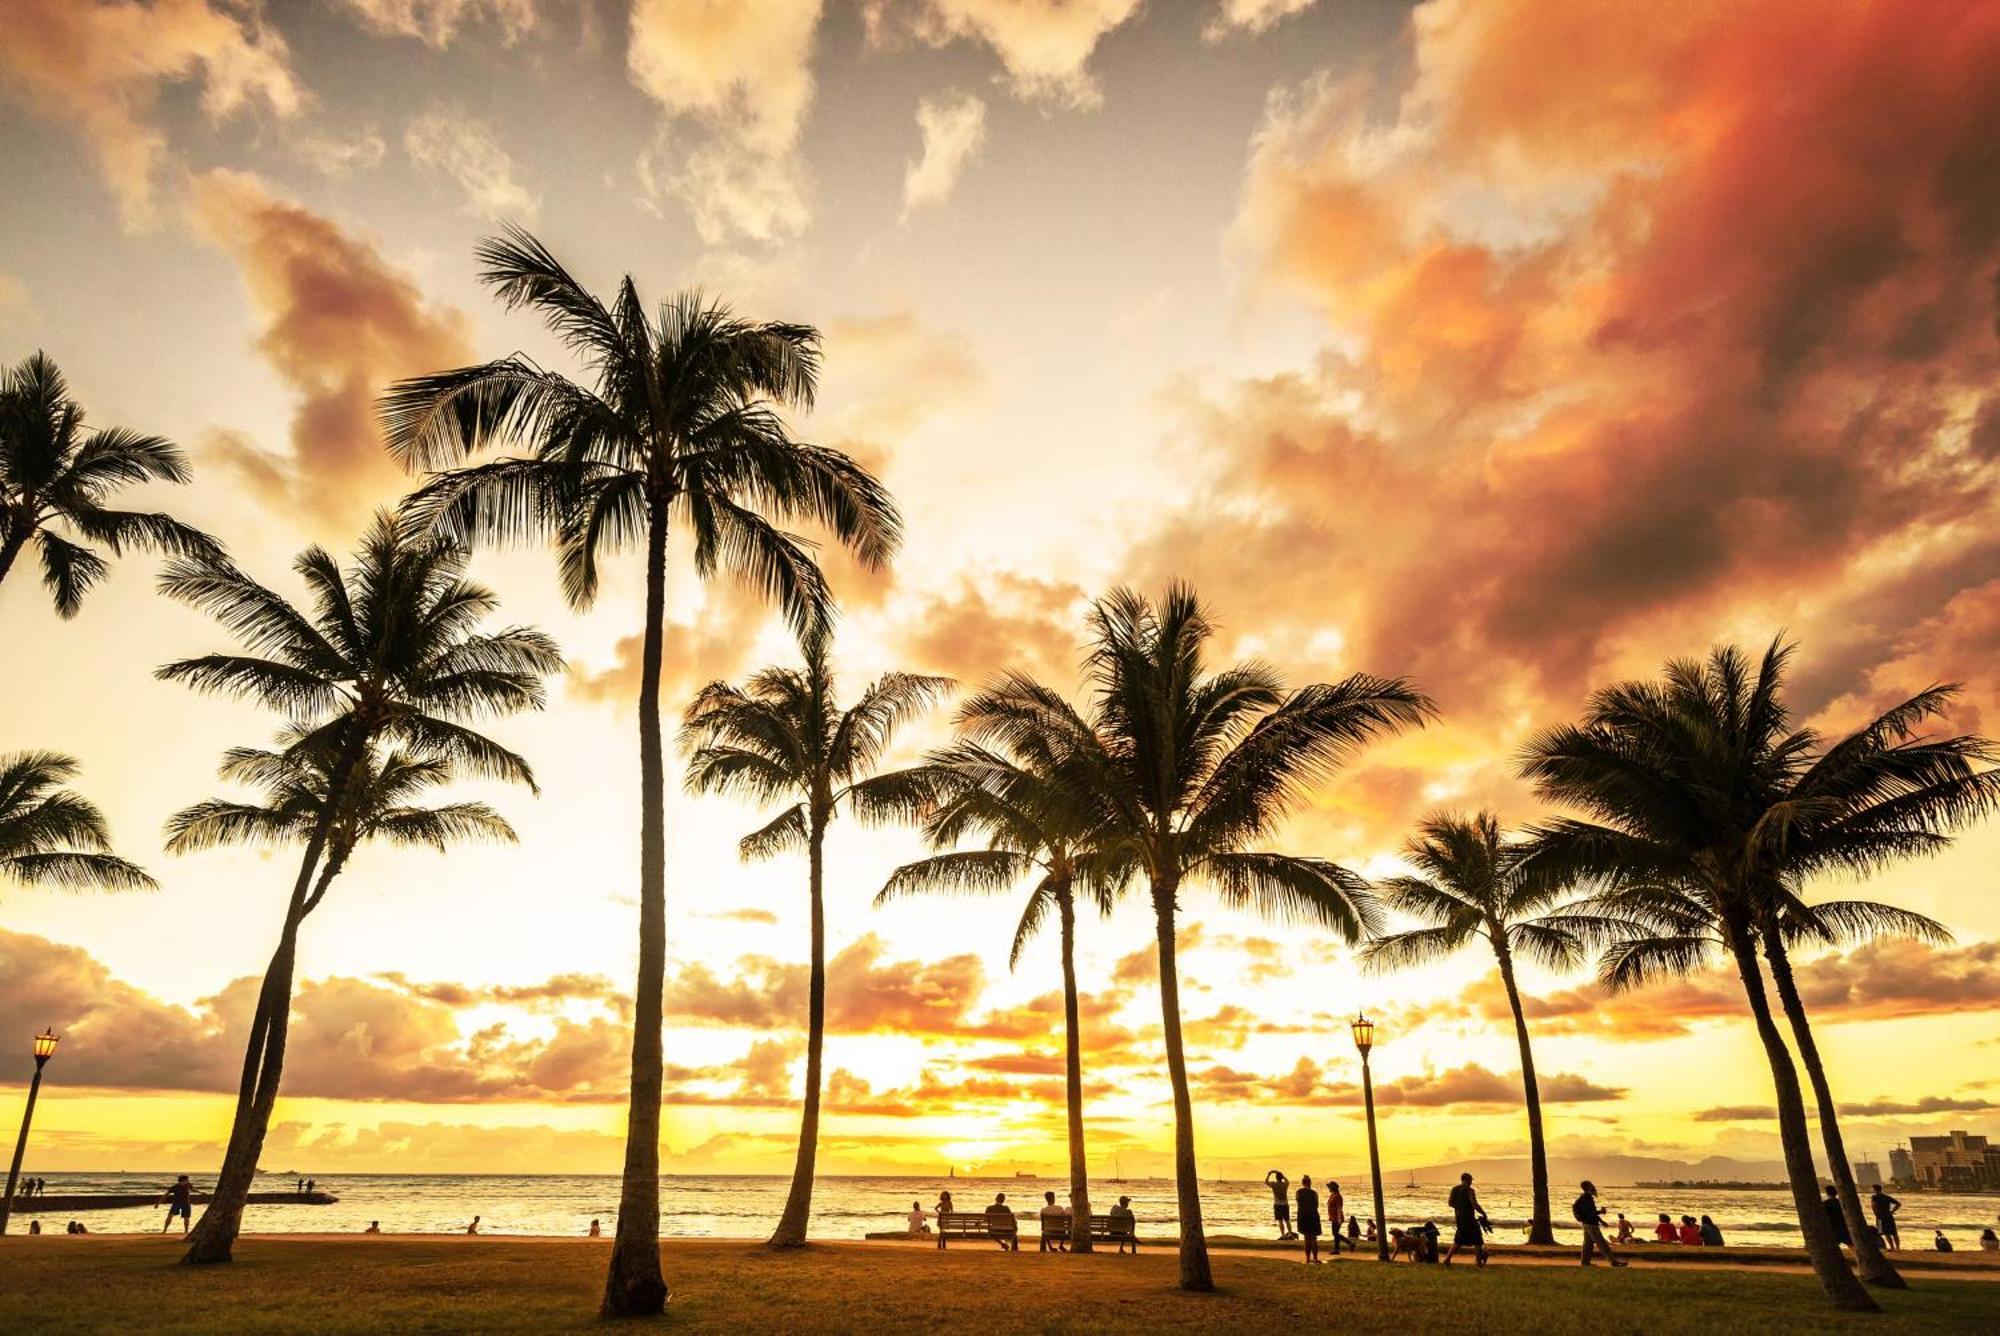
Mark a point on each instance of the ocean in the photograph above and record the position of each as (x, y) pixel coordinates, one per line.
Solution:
(747, 1206)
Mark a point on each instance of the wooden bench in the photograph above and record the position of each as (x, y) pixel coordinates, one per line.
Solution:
(978, 1225)
(1056, 1230)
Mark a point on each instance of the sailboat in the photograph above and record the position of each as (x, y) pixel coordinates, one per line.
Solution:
(1117, 1173)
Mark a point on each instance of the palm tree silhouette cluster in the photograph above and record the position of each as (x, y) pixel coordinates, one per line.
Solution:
(1699, 813)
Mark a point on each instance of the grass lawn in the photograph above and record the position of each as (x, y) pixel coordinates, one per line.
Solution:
(57, 1284)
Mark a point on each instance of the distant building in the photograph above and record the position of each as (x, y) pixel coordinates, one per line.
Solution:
(1955, 1163)
(1867, 1174)
(1902, 1169)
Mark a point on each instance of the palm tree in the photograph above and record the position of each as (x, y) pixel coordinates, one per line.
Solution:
(1707, 810)
(53, 836)
(680, 426)
(1180, 770)
(296, 779)
(388, 655)
(1469, 888)
(783, 735)
(1017, 803)
(54, 475)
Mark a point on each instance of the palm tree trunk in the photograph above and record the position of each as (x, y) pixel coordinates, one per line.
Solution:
(1195, 1273)
(213, 1239)
(634, 1285)
(791, 1231)
(1827, 1263)
(1540, 1228)
(1079, 1167)
(1876, 1269)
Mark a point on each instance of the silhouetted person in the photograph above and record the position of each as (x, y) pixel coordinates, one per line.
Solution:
(1711, 1235)
(1000, 1223)
(1836, 1218)
(1664, 1231)
(1051, 1214)
(1336, 1214)
(1988, 1240)
(312, 1184)
(1125, 1226)
(1281, 1204)
(1469, 1222)
(1427, 1242)
(1354, 1233)
(944, 1208)
(1941, 1243)
(1884, 1208)
(1624, 1234)
(374, 1227)
(1308, 1217)
(1689, 1232)
(180, 1202)
(473, 1228)
(597, 1229)
(1591, 1216)
(919, 1223)
(34, 1226)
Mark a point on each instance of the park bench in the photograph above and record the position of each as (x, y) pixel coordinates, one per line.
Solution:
(977, 1225)
(1056, 1230)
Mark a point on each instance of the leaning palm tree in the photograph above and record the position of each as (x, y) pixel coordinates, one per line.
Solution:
(1706, 810)
(296, 779)
(679, 426)
(1017, 804)
(388, 655)
(1180, 771)
(1469, 887)
(55, 478)
(783, 735)
(53, 836)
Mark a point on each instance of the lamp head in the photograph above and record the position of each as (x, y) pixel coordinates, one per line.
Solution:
(45, 1045)
(1364, 1034)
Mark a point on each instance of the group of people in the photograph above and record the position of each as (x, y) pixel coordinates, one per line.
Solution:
(73, 1227)
(1315, 1218)
(1004, 1228)
(31, 1187)
(1689, 1233)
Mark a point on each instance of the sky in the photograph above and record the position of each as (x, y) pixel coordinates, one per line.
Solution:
(1515, 347)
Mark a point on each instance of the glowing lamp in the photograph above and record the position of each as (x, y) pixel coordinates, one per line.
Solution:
(45, 1045)
(1364, 1034)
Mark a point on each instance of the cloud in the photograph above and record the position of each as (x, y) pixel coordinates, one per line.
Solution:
(953, 127)
(1874, 1108)
(103, 67)
(436, 22)
(1468, 1086)
(339, 324)
(1617, 353)
(994, 622)
(763, 916)
(463, 148)
(718, 641)
(338, 157)
(738, 75)
(1044, 45)
(1250, 16)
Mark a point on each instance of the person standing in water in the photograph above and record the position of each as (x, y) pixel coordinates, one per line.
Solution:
(1469, 1222)
(1281, 1203)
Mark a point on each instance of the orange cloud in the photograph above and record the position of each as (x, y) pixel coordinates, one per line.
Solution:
(436, 22)
(339, 325)
(104, 65)
(996, 622)
(1469, 1086)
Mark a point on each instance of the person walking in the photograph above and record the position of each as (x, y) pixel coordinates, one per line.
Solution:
(1336, 1214)
(1308, 1217)
(1884, 1208)
(1469, 1222)
(1591, 1216)
(1281, 1202)
(180, 1202)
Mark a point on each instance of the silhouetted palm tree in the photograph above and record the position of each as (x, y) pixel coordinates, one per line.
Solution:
(54, 475)
(52, 836)
(679, 426)
(1708, 810)
(1180, 770)
(1468, 889)
(784, 735)
(296, 780)
(1016, 801)
(389, 656)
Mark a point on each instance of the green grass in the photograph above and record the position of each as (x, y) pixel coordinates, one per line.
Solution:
(55, 1284)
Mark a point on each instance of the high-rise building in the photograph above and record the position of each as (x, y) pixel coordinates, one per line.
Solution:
(1902, 1169)
(1867, 1174)
(1956, 1163)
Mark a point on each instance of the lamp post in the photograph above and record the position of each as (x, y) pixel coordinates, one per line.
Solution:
(1364, 1039)
(45, 1048)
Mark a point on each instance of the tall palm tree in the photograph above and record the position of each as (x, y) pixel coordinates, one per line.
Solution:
(1469, 887)
(296, 779)
(1017, 803)
(1706, 810)
(679, 425)
(388, 654)
(783, 735)
(53, 836)
(55, 476)
(1181, 770)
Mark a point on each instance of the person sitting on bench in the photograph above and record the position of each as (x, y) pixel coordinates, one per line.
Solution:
(1000, 1223)
(1125, 1226)
(1055, 1225)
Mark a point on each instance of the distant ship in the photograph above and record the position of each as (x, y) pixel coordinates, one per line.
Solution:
(1023, 1173)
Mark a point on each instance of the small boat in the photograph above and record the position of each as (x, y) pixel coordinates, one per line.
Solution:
(1023, 1173)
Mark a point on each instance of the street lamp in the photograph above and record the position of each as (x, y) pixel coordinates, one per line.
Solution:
(45, 1048)
(1364, 1039)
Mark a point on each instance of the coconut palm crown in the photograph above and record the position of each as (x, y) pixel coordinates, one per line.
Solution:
(54, 837)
